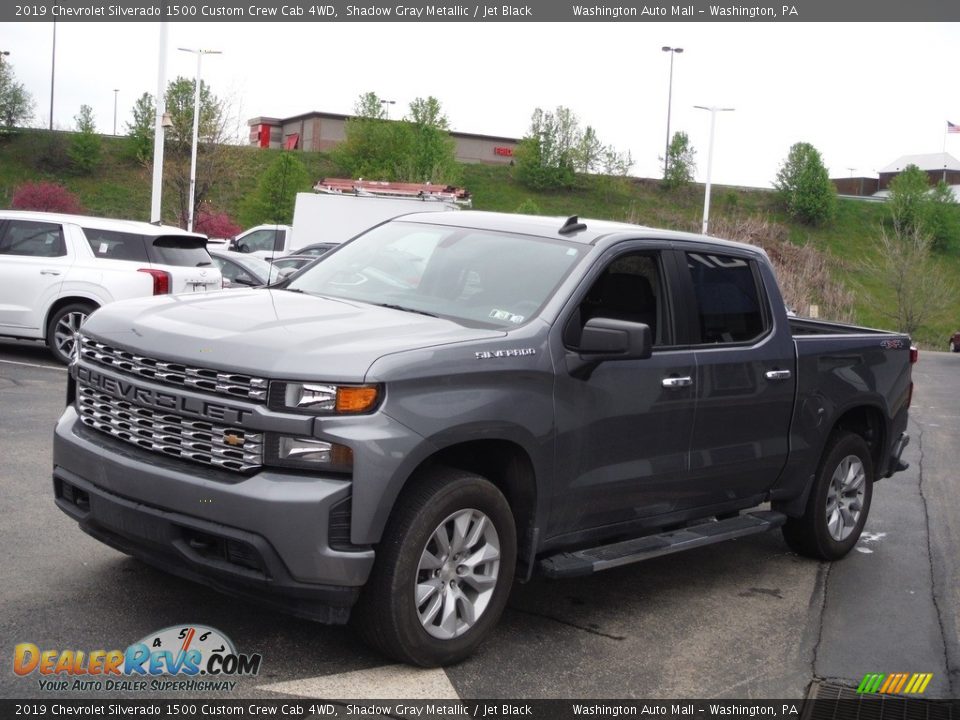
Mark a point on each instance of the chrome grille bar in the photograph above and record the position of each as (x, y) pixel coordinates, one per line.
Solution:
(228, 384)
(170, 434)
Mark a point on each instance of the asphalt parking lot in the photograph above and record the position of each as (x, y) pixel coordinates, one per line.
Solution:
(745, 619)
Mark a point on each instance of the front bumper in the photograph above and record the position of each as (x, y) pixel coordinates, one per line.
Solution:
(265, 537)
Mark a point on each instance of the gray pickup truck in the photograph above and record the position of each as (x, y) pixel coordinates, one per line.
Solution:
(452, 401)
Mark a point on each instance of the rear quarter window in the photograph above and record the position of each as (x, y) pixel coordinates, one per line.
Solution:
(113, 245)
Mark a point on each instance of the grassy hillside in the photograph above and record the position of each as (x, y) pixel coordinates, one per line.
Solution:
(121, 188)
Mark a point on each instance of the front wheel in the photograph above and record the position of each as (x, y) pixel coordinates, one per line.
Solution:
(443, 570)
(839, 501)
(62, 329)
(954, 347)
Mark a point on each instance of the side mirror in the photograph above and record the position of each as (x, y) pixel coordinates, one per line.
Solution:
(606, 339)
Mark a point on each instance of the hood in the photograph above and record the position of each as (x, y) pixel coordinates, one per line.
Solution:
(272, 333)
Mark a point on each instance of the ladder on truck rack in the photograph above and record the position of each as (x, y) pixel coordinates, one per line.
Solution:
(378, 188)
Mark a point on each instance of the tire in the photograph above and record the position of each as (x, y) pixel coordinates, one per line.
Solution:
(459, 604)
(839, 501)
(62, 326)
(953, 347)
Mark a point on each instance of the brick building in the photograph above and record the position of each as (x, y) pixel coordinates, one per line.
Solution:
(323, 130)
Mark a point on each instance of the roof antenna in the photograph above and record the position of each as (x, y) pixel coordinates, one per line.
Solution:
(572, 225)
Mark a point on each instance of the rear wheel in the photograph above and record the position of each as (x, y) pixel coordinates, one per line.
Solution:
(443, 571)
(839, 501)
(62, 329)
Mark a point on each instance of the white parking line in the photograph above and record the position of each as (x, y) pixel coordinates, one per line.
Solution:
(35, 365)
(380, 683)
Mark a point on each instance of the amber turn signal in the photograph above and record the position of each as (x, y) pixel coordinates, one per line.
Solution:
(356, 399)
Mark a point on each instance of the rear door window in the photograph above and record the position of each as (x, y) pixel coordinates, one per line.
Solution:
(731, 305)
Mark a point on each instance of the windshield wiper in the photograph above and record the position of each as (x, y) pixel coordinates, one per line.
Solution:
(406, 309)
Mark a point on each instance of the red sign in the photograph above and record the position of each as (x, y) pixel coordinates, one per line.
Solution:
(503, 150)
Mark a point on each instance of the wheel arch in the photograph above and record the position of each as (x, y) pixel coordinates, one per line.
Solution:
(63, 302)
(868, 422)
(508, 466)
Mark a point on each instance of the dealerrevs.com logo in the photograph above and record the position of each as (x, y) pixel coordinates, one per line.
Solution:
(199, 657)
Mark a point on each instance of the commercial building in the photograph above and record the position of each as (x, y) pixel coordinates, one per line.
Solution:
(323, 130)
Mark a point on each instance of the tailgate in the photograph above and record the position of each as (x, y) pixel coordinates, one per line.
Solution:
(187, 261)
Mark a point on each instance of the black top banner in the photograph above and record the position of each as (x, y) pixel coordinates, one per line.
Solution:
(470, 11)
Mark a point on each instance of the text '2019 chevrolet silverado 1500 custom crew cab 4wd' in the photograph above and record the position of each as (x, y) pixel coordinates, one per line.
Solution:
(451, 401)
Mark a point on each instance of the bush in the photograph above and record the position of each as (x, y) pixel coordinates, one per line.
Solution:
(215, 224)
(47, 197)
(85, 148)
(804, 186)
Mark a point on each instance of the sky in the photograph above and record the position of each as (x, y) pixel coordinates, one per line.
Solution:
(863, 94)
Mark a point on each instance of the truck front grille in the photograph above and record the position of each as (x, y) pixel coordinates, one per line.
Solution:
(228, 384)
(170, 434)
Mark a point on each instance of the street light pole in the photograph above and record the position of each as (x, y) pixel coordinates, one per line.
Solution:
(666, 151)
(158, 128)
(706, 196)
(115, 91)
(196, 131)
(53, 67)
(387, 104)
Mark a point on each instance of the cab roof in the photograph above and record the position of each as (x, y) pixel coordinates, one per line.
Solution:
(585, 231)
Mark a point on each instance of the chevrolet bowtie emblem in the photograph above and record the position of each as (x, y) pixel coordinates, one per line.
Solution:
(231, 439)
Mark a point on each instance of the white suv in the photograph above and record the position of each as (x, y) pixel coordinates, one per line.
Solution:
(57, 269)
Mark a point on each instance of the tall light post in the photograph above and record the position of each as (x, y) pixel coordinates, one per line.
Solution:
(666, 151)
(158, 128)
(115, 91)
(3, 54)
(196, 131)
(53, 68)
(386, 104)
(706, 196)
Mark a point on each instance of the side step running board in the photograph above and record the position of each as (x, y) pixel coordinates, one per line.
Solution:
(591, 560)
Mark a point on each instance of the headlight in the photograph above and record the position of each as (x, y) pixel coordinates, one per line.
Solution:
(309, 453)
(320, 398)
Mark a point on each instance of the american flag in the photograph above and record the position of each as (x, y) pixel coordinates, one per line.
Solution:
(951, 128)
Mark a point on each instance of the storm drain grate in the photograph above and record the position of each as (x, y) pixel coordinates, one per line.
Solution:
(830, 701)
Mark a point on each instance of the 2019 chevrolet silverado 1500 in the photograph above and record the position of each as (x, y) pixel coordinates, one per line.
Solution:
(454, 400)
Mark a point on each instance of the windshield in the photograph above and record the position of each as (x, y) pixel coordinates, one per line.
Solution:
(478, 277)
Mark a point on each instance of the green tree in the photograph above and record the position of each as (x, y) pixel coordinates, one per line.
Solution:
(179, 105)
(432, 150)
(16, 105)
(804, 186)
(545, 159)
(276, 192)
(908, 200)
(416, 149)
(906, 268)
(85, 147)
(943, 218)
(370, 106)
(589, 151)
(139, 144)
(215, 164)
(681, 162)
